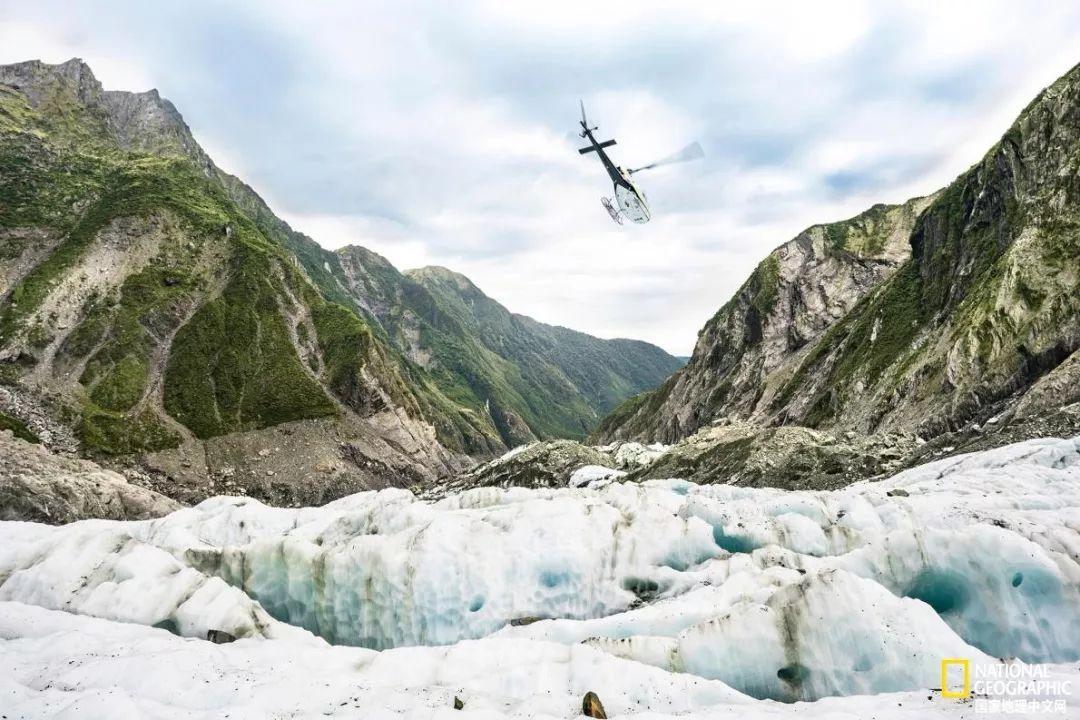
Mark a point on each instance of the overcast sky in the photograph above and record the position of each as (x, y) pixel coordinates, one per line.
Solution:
(437, 133)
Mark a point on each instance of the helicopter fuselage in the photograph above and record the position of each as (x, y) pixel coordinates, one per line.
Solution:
(632, 202)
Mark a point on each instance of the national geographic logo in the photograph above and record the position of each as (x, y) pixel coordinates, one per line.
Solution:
(1005, 687)
(965, 688)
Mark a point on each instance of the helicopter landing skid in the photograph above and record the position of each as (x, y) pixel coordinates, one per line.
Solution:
(611, 209)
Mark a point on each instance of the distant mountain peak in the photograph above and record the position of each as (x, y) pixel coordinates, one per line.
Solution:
(439, 273)
(37, 80)
(364, 255)
(142, 121)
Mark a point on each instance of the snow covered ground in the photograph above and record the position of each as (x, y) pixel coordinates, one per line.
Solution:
(664, 598)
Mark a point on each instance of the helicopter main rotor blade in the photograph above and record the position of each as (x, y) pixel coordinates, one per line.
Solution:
(692, 151)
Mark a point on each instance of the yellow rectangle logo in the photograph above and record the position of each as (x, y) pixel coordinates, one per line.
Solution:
(963, 692)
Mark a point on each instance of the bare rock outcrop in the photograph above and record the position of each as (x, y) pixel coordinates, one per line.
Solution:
(542, 464)
(37, 485)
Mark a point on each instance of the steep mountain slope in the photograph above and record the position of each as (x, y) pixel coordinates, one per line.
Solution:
(604, 371)
(533, 380)
(153, 307)
(507, 378)
(147, 312)
(987, 304)
(756, 340)
(933, 314)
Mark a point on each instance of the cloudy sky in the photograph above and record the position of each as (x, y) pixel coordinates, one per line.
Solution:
(437, 133)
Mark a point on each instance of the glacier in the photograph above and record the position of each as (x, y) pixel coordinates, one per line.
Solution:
(664, 597)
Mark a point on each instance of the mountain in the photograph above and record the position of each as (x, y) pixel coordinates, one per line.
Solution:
(532, 380)
(756, 340)
(156, 314)
(924, 318)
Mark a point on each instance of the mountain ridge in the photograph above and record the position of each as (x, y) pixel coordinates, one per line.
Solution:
(155, 310)
(441, 320)
(978, 306)
(751, 343)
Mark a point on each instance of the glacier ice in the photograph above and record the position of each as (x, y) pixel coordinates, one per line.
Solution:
(831, 633)
(775, 594)
(631, 455)
(589, 474)
(59, 665)
(105, 572)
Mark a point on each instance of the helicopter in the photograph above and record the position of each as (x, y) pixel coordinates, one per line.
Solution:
(631, 201)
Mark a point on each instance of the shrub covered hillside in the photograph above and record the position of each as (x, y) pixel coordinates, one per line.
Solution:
(940, 314)
(142, 294)
(151, 303)
(533, 380)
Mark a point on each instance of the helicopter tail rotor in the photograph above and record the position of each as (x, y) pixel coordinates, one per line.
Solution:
(692, 151)
(584, 121)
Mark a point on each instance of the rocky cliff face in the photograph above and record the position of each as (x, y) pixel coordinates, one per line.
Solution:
(986, 305)
(155, 313)
(39, 486)
(921, 318)
(757, 340)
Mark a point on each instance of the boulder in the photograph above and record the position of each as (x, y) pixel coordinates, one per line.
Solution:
(220, 637)
(592, 707)
(37, 485)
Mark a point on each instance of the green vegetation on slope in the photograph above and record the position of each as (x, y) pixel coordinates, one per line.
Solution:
(554, 381)
(233, 366)
(18, 428)
(116, 374)
(861, 235)
(117, 186)
(113, 433)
